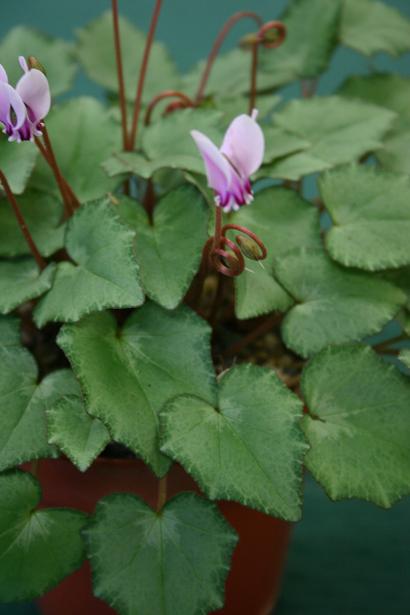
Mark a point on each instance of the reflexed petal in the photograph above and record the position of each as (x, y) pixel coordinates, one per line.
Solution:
(217, 167)
(244, 144)
(9, 98)
(23, 64)
(3, 75)
(34, 90)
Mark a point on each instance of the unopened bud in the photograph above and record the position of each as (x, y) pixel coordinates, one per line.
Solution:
(33, 62)
(249, 40)
(249, 247)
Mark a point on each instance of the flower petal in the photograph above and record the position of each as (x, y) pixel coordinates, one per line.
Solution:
(23, 64)
(34, 90)
(244, 144)
(9, 98)
(3, 75)
(218, 170)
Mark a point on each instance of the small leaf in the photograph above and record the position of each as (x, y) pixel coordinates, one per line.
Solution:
(334, 305)
(96, 53)
(38, 547)
(169, 251)
(54, 54)
(173, 562)
(82, 137)
(339, 130)
(248, 449)
(17, 174)
(21, 280)
(156, 356)
(371, 217)
(43, 215)
(77, 434)
(358, 427)
(106, 273)
(369, 26)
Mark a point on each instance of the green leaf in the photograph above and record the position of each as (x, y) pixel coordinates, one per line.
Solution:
(170, 251)
(77, 434)
(369, 26)
(283, 220)
(401, 279)
(394, 155)
(358, 427)
(338, 129)
(334, 305)
(82, 137)
(95, 50)
(21, 280)
(233, 106)
(38, 547)
(43, 216)
(23, 430)
(371, 217)
(17, 162)
(106, 273)
(175, 561)
(404, 357)
(54, 54)
(156, 356)
(279, 143)
(248, 448)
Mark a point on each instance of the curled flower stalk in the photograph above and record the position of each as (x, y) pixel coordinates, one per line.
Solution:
(182, 102)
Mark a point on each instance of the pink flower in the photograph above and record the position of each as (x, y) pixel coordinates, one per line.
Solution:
(23, 108)
(229, 168)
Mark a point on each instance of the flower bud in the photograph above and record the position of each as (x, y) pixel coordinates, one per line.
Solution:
(249, 247)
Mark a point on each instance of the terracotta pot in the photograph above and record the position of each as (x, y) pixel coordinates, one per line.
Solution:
(254, 580)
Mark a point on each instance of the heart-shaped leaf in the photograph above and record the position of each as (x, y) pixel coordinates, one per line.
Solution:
(22, 280)
(106, 273)
(248, 448)
(38, 547)
(156, 356)
(358, 425)
(17, 162)
(174, 561)
(334, 305)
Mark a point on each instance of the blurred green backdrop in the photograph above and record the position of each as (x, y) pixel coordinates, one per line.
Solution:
(348, 558)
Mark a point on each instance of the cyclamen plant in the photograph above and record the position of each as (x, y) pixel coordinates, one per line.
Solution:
(169, 294)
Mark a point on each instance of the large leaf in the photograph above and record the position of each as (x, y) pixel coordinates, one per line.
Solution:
(105, 274)
(43, 216)
(96, 53)
(358, 426)
(75, 432)
(174, 561)
(283, 220)
(370, 26)
(156, 356)
(54, 54)
(169, 251)
(22, 280)
(371, 217)
(38, 547)
(23, 430)
(394, 155)
(82, 138)
(248, 448)
(339, 130)
(17, 162)
(334, 304)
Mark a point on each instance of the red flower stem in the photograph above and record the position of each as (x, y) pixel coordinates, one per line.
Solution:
(141, 80)
(217, 45)
(218, 228)
(162, 493)
(68, 193)
(120, 72)
(254, 72)
(22, 223)
(185, 101)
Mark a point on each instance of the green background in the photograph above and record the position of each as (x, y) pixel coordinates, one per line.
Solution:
(348, 558)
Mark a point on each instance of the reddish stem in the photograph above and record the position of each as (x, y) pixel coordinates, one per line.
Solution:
(68, 193)
(217, 45)
(22, 223)
(185, 100)
(141, 79)
(120, 72)
(254, 72)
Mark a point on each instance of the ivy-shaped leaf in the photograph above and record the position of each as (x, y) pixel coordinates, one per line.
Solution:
(334, 305)
(371, 217)
(54, 54)
(17, 162)
(174, 561)
(21, 280)
(248, 448)
(358, 425)
(369, 26)
(170, 250)
(82, 138)
(38, 547)
(156, 356)
(95, 50)
(105, 274)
